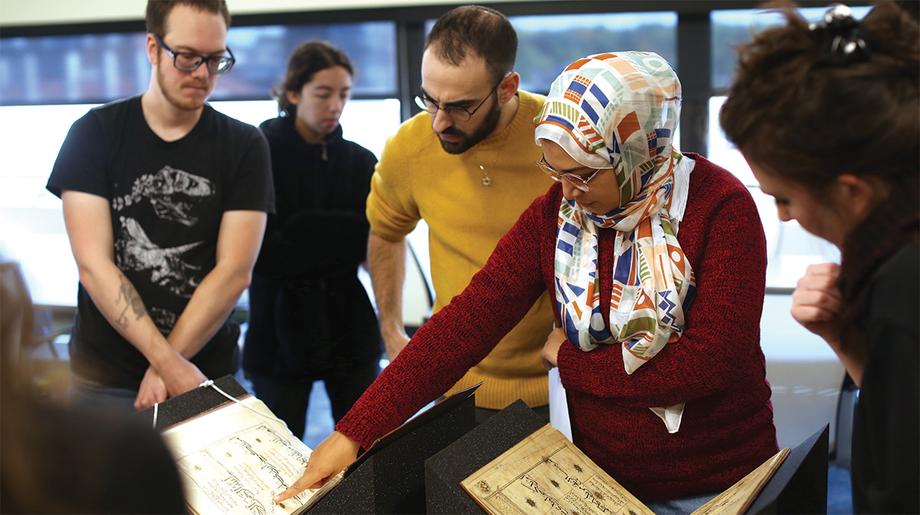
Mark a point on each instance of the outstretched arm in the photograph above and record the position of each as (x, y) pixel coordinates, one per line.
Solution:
(453, 340)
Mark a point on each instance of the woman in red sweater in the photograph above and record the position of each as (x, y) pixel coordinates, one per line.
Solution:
(656, 260)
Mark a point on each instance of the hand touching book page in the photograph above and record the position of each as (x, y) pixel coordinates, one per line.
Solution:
(234, 455)
(233, 459)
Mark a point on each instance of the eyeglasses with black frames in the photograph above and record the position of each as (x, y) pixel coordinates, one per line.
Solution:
(455, 112)
(190, 61)
(575, 180)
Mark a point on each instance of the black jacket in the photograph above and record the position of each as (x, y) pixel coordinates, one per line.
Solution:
(308, 311)
(886, 429)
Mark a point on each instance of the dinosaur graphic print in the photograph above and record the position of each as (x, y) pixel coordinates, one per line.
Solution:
(136, 252)
(173, 193)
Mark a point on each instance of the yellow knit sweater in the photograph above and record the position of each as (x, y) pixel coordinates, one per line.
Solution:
(416, 179)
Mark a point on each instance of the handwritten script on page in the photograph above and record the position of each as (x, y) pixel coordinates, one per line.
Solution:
(233, 461)
(546, 473)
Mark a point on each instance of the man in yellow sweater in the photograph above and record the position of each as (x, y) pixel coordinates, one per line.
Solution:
(466, 165)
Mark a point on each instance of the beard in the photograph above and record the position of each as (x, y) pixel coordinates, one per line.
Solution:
(174, 96)
(478, 134)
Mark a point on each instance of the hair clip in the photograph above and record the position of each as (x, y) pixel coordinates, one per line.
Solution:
(839, 35)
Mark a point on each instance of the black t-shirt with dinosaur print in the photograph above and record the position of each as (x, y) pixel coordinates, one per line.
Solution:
(166, 200)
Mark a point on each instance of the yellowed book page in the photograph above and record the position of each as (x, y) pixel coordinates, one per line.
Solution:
(739, 497)
(546, 473)
(233, 460)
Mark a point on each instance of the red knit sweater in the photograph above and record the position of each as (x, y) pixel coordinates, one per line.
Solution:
(717, 367)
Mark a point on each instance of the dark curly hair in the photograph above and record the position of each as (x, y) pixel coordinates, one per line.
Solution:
(805, 115)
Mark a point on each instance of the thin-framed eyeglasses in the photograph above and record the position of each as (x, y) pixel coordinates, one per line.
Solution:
(190, 61)
(456, 113)
(575, 180)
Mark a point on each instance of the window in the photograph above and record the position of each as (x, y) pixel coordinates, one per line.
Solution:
(790, 249)
(71, 69)
(102, 67)
(355, 118)
(731, 28)
(549, 42)
(546, 44)
(262, 53)
(31, 223)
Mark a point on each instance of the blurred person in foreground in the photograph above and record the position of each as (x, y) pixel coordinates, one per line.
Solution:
(56, 459)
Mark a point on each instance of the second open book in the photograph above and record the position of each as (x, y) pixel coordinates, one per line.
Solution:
(546, 473)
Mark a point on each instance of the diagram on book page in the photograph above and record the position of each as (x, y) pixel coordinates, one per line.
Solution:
(233, 460)
(546, 473)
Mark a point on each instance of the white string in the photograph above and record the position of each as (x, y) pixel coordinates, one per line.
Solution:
(210, 383)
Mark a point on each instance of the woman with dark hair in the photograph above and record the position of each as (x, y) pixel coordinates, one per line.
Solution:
(666, 392)
(827, 117)
(310, 317)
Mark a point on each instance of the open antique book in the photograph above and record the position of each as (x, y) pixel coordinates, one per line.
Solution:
(234, 455)
(546, 473)
(234, 458)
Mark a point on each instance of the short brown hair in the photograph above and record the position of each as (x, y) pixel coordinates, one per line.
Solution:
(158, 10)
(481, 30)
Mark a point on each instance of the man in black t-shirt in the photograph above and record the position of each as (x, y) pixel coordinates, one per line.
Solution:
(165, 203)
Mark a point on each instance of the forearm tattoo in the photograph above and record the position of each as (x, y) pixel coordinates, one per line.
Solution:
(128, 296)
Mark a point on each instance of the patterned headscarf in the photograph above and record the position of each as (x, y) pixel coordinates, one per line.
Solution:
(621, 110)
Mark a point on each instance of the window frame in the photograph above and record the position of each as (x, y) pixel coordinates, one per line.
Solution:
(694, 36)
(693, 41)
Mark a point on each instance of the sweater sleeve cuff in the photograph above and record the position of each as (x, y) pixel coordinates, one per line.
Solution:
(357, 429)
(387, 222)
(388, 215)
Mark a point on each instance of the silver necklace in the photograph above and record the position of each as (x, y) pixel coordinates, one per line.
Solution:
(486, 180)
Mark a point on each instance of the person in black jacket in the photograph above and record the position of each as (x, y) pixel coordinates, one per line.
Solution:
(310, 317)
(826, 115)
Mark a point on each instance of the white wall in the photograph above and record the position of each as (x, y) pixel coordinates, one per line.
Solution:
(49, 12)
